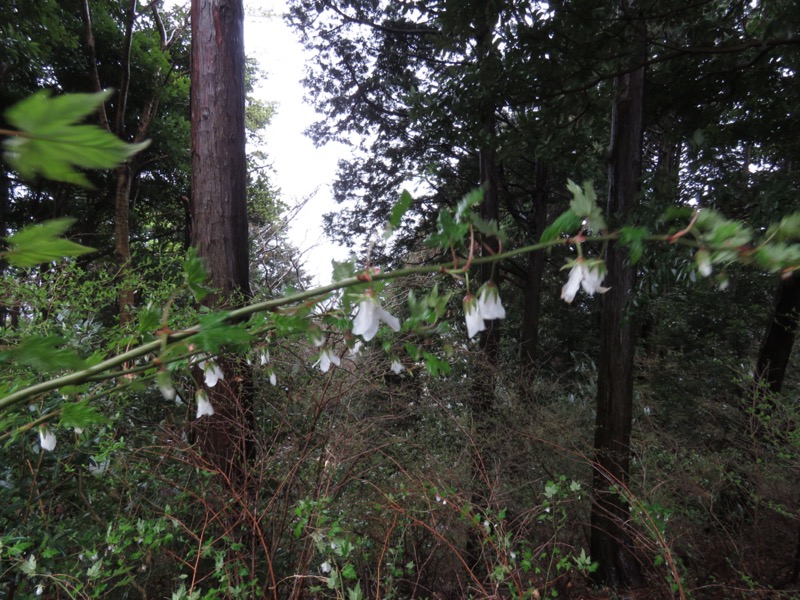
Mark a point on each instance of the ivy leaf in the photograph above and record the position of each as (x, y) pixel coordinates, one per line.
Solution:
(80, 414)
(42, 243)
(567, 222)
(43, 354)
(51, 144)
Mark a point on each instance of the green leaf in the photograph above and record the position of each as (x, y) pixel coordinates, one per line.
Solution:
(194, 275)
(464, 207)
(216, 332)
(396, 215)
(567, 222)
(80, 414)
(42, 243)
(43, 354)
(342, 270)
(51, 144)
(349, 572)
(787, 230)
(633, 237)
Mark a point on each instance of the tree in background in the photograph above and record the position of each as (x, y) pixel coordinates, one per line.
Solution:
(219, 205)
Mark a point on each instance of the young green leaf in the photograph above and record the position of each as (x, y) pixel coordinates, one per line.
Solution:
(398, 210)
(42, 243)
(80, 414)
(51, 144)
(567, 222)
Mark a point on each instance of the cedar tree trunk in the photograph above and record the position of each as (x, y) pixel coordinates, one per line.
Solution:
(219, 208)
(610, 543)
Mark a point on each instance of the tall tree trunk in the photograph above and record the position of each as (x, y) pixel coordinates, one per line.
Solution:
(122, 241)
(610, 542)
(774, 354)
(529, 341)
(776, 348)
(219, 208)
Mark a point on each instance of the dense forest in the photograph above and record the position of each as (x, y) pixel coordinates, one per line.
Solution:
(558, 364)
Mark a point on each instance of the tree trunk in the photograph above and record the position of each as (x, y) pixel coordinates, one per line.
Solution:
(610, 542)
(122, 241)
(773, 357)
(219, 208)
(533, 276)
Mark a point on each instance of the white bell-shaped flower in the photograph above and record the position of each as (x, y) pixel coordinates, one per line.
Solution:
(204, 406)
(369, 317)
(586, 274)
(397, 367)
(47, 439)
(211, 372)
(473, 316)
(489, 303)
(326, 358)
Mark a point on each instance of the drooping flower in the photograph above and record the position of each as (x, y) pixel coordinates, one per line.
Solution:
(489, 304)
(212, 372)
(397, 367)
(264, 357)
(326, 358)
(204, 406)
(703, 262)
(325, 567)
(165, 385)
(40, 589)
(370, 314)
(273, 379)
(473, 316)
(355, 350)
(47, 439)
(586, 274)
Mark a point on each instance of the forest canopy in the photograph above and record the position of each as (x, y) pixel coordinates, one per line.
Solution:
(561, 367)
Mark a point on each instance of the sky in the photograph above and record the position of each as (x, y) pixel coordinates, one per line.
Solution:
(301, 169)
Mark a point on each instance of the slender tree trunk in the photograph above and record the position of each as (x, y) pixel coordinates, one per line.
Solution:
(533, 277)
(610, 542)
(219, 209)
(773, 357)
(122, 237)
(774, 354)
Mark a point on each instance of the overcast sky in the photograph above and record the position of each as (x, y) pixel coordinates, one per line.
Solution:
(301, 169)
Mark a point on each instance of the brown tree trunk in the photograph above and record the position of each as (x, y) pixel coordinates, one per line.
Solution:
(610, 542)
(219, 209)
(122, 245)
(529, 341)
(773, 357)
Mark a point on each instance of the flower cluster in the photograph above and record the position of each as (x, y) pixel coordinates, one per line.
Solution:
(485, 307)
(584, 273)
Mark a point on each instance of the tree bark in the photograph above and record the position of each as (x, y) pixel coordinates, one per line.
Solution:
(773, 357)
(529, 341)
(610, 542)
(219, 208)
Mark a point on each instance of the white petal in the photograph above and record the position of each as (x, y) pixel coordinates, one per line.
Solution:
(473, 316)
(212, 373)
(204, 406)
(167, 390)
(47, 439)
(397, 367)
(366, 322)
(264, 357)
(388, 318)
(273, 379)
(489, 304)
(593, 277)
(573, 284)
